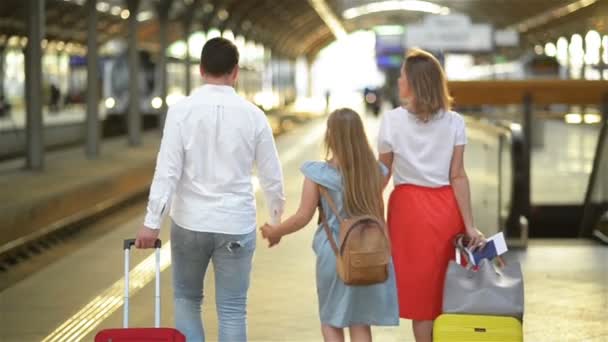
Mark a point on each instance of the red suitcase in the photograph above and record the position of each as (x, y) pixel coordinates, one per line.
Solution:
(127, 334)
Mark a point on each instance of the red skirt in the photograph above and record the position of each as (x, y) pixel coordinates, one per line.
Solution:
(422, 222)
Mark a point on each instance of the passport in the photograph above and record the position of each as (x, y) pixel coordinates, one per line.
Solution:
(495, 246)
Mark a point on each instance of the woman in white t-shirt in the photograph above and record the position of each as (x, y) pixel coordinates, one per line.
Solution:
(422, 143)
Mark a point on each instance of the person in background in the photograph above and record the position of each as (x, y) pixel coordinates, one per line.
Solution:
(211, 142)
(422, 144)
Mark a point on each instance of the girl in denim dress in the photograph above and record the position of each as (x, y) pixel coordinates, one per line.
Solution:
(353, 178)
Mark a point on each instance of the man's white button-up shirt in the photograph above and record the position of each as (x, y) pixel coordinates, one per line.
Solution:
(211, 142)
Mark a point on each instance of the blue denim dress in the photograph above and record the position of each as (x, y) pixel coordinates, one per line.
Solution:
(341, 305)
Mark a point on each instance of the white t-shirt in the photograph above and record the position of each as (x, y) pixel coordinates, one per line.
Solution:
(422, 151)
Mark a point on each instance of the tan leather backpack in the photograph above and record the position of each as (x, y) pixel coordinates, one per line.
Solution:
(364, 254)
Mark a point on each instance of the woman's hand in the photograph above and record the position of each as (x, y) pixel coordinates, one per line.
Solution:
(270, 233)
(476, 239)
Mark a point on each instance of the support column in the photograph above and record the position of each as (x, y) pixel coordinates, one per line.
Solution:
(602, 64)
(163, 17)
(568, 60)
(583, 74)
(134, 117)
(527, 127)
(309, 77)
(93, 129)
(2, 63)
(187, 29)
(33, 88)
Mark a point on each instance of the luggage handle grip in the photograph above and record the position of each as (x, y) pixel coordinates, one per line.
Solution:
(127, 244)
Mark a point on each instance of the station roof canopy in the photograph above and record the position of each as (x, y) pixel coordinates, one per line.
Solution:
(301, 27)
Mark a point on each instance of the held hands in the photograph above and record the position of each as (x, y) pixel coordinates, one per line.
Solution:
(270, 233)
(476, 239)
(146, 237)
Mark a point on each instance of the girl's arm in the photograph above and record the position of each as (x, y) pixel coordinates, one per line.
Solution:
(460, 183)
(308, 206)
(387, 160)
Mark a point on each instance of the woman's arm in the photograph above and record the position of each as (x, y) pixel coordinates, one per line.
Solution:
(308, 206)
(387, 160)
(460, 183)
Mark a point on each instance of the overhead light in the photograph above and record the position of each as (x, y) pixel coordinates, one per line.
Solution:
(208, 7)
(213, 33)
(228, 34)
(178, 49)
(556, 13)
(110, 102)
(157, 102)
(326, 14)
(550, 50)
(103, 6)
(13, 41)
(573, 118)
(173, 98)
(223, 15)
(196, 41)
(515, 127)
(116, 10)
(125, 14)
(394, 5)
(592, 118)
(389, 30)
(145, 15)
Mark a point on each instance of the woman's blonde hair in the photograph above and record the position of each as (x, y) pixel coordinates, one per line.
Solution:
(345, 141)
(428, 83)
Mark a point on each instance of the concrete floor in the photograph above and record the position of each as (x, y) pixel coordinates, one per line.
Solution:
(73, 298)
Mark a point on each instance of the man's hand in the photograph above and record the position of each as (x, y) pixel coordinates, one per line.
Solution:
(146, 237)
(270, 233)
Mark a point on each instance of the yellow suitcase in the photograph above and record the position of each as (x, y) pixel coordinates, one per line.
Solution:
(476, 328)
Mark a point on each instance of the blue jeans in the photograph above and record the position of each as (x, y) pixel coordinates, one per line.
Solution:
(231, 255)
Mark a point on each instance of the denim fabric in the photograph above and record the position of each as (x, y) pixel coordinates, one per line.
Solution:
(231, 255)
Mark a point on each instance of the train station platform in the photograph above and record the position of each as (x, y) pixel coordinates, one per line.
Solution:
(79, 293)
(73, 188)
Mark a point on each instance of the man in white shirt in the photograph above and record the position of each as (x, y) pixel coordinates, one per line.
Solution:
(211, 142)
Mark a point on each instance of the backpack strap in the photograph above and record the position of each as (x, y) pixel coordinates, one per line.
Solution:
(332, 205)
(330, 201)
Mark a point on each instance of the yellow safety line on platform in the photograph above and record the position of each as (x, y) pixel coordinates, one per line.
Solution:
(110, 300)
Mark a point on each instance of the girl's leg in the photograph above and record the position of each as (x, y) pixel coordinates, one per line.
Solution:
(332, 334)
(360, 333)
(423, 331)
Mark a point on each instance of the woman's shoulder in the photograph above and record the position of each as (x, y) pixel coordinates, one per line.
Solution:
(397, 112)
(454, 116)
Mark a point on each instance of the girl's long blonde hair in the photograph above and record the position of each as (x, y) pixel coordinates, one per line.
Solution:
(427, 81)
(346, 142)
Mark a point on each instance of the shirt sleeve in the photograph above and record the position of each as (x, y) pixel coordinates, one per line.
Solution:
(269, 171)
(384, 136)
(461, 134)
(169, 165)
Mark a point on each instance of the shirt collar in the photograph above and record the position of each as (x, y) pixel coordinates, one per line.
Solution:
(218, 88)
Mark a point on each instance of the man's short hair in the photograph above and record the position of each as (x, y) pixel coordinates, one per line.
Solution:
(219, 57)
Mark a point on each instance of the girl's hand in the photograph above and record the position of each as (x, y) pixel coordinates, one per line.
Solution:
(476, 239)
(270, 233)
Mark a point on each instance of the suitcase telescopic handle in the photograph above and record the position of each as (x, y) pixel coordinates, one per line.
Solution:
(127, 244)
